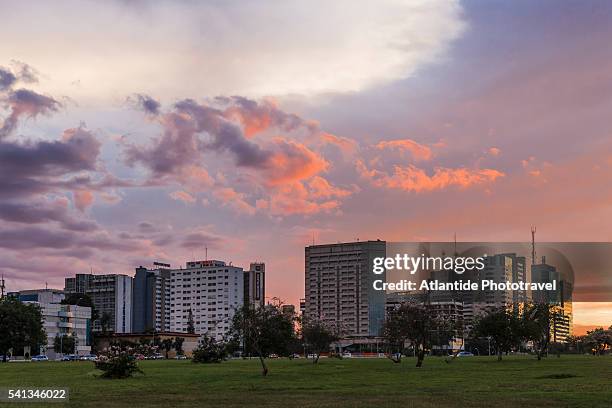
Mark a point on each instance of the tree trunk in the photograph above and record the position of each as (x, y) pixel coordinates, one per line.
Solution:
(420, 357)
(264, 367)
(315, 360)
(499, 355)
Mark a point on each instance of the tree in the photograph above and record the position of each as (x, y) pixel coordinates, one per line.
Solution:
(599, 340)
(262, 330)
(536, 325)
(166, 345)
(21, 325)
(503, 327)
(105, 322)
(64, 344)
(178, 345)
(209, 351)
(418, 324)
(190, 325)
(317, 336)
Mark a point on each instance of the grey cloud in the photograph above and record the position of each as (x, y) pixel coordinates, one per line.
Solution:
(26, 103)
(146, 104)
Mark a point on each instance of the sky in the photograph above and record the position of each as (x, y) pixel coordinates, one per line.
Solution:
(135, 131)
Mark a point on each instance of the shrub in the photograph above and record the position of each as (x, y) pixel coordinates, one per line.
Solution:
(117, 363)
(209, 351)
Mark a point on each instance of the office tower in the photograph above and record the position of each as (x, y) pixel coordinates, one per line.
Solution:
(208, 291)
(151, 299)
(59, 320)
(111, 295)
(338, 284)
(255, 284)
(560, 298)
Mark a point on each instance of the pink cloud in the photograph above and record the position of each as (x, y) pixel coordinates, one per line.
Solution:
(417, 151)
(183, 196)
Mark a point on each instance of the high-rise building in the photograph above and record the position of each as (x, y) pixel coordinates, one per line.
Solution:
(151, 299)
(60, 320)
(206, 294)
(339, 290)
(255, 284)
(111, 295)
(560, 299)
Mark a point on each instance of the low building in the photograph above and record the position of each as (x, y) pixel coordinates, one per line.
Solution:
(60, 320)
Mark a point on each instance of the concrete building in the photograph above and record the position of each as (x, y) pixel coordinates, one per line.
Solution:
(338, 285)
(151, 299)
(60, 320)
(561, 299)
(255, 284)
(110, 294)
(208, 291)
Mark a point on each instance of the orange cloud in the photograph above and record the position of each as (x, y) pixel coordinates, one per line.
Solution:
(417, 150)
(321, 188)
(83, 199)
(347, 146)
(235, 200)
(292, 161)
(294, 198)
(183, 196)
(411, 178)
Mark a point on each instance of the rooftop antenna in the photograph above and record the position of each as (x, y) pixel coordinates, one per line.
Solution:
(313, 239)
(206, 253)
(533, 251)
(46, 286)
(2, 287)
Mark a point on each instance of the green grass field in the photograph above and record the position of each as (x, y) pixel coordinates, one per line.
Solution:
(471, 382)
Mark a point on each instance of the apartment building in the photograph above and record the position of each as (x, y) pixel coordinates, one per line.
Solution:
(205, 294)
(111, 296)
(151, 299)
(338, 284)
(255, 284)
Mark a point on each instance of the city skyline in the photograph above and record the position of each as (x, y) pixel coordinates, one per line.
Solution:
(245, 133)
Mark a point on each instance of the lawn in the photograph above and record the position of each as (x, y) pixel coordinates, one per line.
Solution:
(569, 381)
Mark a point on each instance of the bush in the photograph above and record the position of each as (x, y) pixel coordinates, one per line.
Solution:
(117, 364)
(209, 351)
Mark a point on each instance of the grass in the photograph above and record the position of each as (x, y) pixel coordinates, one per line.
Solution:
(569, 381)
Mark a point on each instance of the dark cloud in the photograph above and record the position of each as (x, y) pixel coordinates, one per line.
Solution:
(42, 213)
(28, 104)
(200, 240)
(146, 104)
(7, 79)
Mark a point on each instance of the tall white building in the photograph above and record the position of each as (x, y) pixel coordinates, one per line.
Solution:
(208, 293)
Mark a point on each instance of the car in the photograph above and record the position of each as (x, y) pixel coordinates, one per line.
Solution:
(465, 354)
(70, 357)
(273, 355)
(346, 354)
(88, 357)
(180, 357)
(40, 357)
(157, 356)
(295, 356)
(8, 358)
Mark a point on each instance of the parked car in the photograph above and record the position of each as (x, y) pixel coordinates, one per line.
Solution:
(346, 354)
(40, 357)
(8, 358)
(157, 356)
(465, 354)
(180, 357)
(88, 357)
(295, 356)
(70, 357)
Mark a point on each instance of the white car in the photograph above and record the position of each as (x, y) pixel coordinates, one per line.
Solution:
(40, 357)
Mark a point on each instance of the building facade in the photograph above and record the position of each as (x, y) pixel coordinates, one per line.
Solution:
(338, 285)
(206, 295)
(151, 300)
(111, 296)
(60, 320)
(255, 284)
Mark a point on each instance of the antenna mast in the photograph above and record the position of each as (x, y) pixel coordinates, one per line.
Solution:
(2, 287)
(533, 250)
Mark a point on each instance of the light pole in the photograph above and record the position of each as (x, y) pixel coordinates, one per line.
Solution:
(489, 340)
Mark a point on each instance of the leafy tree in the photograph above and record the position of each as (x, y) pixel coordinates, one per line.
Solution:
(209, 351)
(317, 336)
(503, 327)
(64, 344)
(21, 324)
(117, 363)
(418, 324)
(105, 322)
(178, 345)
(190, 325)
(262, 330)
(599, 340)
(166, 345)
(536, 324)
